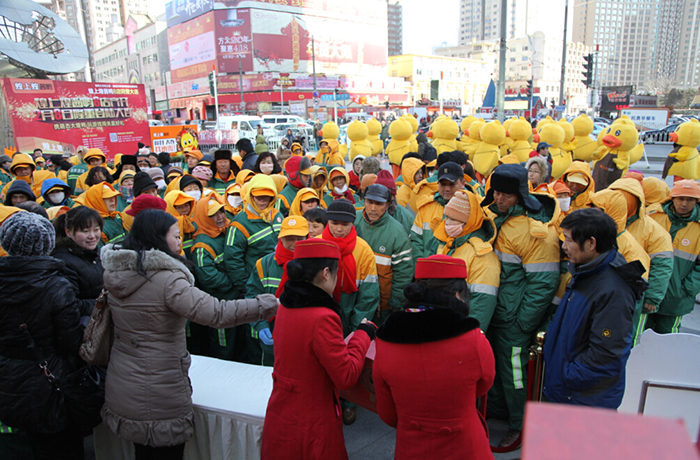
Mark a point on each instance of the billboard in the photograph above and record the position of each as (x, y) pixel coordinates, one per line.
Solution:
(168, 138)
(58, 116)
(614, 98)
(179, 11)
(233, 40)
(192, 48)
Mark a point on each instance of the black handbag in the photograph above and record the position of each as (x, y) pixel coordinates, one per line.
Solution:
(81, 392)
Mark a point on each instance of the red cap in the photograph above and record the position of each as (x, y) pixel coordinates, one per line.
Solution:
(385, 178)
(146, 201)
(440, 267)
(316, 248)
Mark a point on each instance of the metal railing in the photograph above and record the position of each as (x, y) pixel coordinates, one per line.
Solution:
(655, 138)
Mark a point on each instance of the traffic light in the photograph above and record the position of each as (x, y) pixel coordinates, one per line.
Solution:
(212, 83)
(552, 104)
(529, 89)
(386, 104)
(588, 72)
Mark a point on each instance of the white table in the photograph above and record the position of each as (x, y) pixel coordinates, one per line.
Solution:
(229, 400)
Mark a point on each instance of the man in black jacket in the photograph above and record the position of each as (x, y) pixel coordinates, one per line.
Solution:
(589, 341)
(247, 152)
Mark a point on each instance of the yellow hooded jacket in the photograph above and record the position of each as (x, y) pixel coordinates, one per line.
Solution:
(580, 200)
(405, 194)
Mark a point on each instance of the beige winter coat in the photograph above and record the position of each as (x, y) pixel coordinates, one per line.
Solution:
(148, 396)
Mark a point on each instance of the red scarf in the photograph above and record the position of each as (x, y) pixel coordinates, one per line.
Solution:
(354, 179)
(347, 268)
(282, 256)
(348, 195)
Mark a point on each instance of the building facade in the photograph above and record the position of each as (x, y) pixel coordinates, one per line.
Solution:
(394, 17)
(463, 81)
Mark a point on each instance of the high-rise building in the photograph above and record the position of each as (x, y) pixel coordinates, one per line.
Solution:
(686, 68)
(480, 19)
(394, 15)
(625, 34)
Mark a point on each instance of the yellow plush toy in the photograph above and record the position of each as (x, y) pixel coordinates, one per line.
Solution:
(400, 132)
(414, 128)
(445, 134)
(357, 133)
(540, 124)
(488, 152)
(519, 132)
(508, 142)
(620, 149)
(569, 135)
(688, 137)
(374, 129)
(330, 132)
(553, 134)
(584, 146)
(475, 137)
(464, 125)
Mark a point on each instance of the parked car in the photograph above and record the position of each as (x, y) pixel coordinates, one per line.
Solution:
(605, 121)
(273, 120)
(658, 135)
(597, 128)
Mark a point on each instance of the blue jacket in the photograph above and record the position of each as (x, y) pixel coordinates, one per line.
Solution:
(589, 340)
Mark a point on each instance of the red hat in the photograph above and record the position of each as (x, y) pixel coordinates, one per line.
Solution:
(146, 201)
(440, 267)
(385, 178)
(316, 248)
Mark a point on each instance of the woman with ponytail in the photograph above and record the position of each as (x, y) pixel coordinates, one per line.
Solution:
(431, 365)
(312, 360)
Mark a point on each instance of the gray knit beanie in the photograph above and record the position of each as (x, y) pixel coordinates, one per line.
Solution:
(27, 234)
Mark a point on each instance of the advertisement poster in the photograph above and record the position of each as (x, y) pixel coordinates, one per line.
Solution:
(179, 11)
(174, 138)
(234, 42)
(192, 47)
(614, 98)
(59, 116)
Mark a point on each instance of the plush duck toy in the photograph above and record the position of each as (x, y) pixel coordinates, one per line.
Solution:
(400, 132)
(374, 129)
(620, 149)
(464, 126)
(475, 138)
(583, 146)
(488, 151)
(330, 132)
(414, 128)
(540, 125)
(445, 134)
(569, 135)
(508, 142)
(357, 133)
(519, 132)
(688, 137)
(553, 134)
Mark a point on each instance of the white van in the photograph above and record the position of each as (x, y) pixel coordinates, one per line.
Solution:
(246, 125)
(282, 119)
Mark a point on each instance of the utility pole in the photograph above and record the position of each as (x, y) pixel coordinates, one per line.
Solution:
(164, 79)
(240, 81)
(501, 88)
(281, 97)
(563, 57)
(313, 68)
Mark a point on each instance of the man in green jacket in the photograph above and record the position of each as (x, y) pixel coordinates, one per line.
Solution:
(391, 247)
(5, 175)
(681, 218)
(210, 276)
(78, 170)
(267, 279)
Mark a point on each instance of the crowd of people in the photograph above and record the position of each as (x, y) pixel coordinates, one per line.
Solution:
(276, 258)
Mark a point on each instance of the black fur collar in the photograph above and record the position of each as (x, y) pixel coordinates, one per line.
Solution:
(68, 245)
(300, 294)
(443, 317)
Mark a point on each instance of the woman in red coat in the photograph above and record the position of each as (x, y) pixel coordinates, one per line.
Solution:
(312, 361)
(432, 364)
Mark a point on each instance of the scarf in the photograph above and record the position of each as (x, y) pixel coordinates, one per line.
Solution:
(442, 235)
(348, 195)
(347, 267)
(282, 256)
(354, 180)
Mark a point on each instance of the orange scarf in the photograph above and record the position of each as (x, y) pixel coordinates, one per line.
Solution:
(204, 223)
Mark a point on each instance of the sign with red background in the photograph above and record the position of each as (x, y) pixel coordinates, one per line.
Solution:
(58, 116)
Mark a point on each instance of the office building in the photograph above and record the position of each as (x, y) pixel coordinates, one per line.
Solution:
(394, 13)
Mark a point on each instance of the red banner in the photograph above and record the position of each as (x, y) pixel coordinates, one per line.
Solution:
(59, 116)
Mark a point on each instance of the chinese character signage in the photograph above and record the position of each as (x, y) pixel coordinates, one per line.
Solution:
(179, 11)
(59, 116)
(614, 98)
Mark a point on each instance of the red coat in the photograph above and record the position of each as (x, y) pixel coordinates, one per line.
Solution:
(312, 362)
(429, 369)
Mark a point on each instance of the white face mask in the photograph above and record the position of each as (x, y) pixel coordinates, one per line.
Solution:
(266, 168)
(160, 183)
(56, 197)
(234, 200)
(342, 190)
(454, 230)
(564, 203)
(196, 194)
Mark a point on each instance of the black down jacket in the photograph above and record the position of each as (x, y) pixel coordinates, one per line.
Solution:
(84, 271)
(27, 400)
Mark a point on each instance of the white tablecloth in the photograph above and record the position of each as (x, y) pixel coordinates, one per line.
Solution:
(229, 406)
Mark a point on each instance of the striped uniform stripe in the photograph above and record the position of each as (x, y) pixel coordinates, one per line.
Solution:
(517, 370)
(483, 289)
